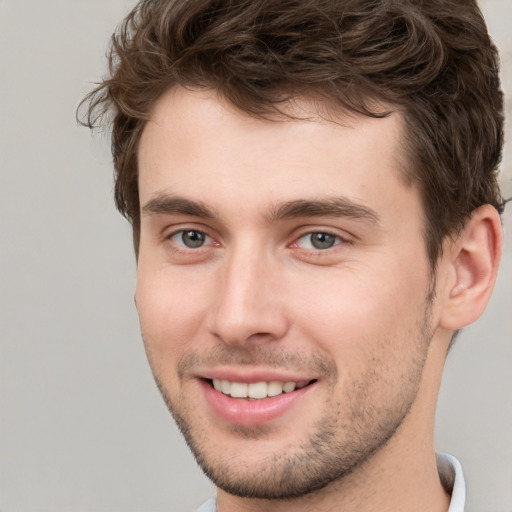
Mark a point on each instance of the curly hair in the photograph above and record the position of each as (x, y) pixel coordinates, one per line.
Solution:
(432, 60)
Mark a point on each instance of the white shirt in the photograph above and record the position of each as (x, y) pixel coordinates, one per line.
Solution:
(450, 472)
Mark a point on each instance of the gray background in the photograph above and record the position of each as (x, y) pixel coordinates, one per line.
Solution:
(82, 427)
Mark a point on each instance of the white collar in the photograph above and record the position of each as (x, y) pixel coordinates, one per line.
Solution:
(452, 478)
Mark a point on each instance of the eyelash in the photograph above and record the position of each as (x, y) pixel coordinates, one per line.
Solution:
(336, 240)
(181, 246)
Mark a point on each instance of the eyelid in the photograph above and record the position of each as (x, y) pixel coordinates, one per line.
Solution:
(172, 231)
(175, 239)
(344, 238)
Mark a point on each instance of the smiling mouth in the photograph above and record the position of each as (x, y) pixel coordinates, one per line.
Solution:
(257, 390)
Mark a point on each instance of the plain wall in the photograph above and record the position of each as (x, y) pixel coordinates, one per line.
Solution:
(82, 426)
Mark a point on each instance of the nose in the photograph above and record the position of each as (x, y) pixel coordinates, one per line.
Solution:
(248, 306)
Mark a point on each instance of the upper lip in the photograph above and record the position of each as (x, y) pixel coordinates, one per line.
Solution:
(250, 376)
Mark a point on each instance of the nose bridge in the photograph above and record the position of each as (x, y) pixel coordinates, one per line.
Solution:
(247, 305)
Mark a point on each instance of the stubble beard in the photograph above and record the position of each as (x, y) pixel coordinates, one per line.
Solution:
(335, 447)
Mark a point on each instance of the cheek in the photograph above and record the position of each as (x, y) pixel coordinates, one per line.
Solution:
(171, 311)
(373, 333)
(355, 313)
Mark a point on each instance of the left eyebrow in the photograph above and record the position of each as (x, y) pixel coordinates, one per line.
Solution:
(328, 207)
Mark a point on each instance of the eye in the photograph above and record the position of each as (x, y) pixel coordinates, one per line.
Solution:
(318, 240)
(190, 238)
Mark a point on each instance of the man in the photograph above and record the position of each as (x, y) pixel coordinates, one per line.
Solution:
(312, 189)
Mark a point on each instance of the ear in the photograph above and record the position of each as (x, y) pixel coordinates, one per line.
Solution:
(472, 269)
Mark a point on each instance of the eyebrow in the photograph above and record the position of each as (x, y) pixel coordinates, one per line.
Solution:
(168, 205)
(164, 204)
(325, 207)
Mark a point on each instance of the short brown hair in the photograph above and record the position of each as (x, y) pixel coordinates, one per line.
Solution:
(432, 60)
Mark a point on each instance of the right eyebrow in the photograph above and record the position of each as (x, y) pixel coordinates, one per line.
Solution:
(164, 204)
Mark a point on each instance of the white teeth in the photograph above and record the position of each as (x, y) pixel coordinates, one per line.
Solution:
(274, 388)
(288, 387)
(225, 387)
(238, 390)
(256, 390)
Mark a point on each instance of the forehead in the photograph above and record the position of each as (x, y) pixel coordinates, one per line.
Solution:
(196, 144)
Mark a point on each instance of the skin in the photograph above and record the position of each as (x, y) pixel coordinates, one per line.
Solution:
(363, 320)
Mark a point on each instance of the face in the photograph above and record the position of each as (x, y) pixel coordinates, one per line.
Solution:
(283, 289)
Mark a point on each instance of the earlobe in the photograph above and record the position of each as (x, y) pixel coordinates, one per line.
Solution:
(474, 261)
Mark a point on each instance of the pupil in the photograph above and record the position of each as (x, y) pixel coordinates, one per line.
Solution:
(193, 239)
(322, 240)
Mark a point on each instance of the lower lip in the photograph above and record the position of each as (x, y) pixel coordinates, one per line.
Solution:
(251, 412)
